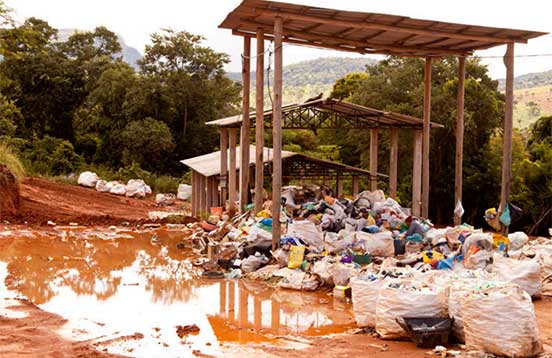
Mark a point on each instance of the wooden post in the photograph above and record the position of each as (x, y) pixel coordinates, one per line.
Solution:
(277, 133)
(355, 186)
(373, 159)
(244, 137)
(223, 166)
(202, 196)
(459, 137)
(426, 133)
(508, 124)
(195, 192)
(338, 185)
(417, 174)
(259, 123)
(393, 162)
(232, 172)
(209, 193)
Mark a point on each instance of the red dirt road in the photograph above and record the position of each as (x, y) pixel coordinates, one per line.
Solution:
(43, 200)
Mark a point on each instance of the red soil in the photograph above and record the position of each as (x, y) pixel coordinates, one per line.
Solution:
(43, 200)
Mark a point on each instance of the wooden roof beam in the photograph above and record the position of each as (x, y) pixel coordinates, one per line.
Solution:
(375, 26)
(355, 43)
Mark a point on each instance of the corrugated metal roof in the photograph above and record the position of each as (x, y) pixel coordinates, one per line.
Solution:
(367, 33)
(209, 164)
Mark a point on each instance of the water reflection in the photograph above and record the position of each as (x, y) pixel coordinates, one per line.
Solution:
(119, 283)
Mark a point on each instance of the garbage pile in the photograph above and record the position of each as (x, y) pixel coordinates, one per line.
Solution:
(390, 264)
(136, 188)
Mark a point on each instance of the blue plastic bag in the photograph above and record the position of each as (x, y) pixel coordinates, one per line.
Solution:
(505, 218)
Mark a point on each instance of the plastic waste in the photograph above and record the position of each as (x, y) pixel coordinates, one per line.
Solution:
(118, 189)
(88, 179)
(501, 321)
(296, 256)
(184, 192)
(253, 263)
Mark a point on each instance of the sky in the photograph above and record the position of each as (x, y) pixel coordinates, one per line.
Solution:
(135, 20)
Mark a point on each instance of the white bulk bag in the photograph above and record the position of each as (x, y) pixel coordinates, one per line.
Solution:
(104, 186)
(136, 188)
(403, 301)
(378, 244)
(365, 297)
(184, 192)
(118, 189)
(501, 321)
(525, 273)
(88, 179)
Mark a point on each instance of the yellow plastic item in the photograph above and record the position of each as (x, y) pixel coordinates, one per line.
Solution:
(263, 214)
(435, 255)
(296, 256)
(370, 221)
(499, 239)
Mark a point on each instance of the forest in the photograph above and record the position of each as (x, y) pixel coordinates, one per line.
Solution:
(73, 105)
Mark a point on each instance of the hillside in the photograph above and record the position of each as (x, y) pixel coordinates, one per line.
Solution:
(130, 54)
(307, 79)
(529, 80)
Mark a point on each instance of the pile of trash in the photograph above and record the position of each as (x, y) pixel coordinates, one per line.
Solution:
(389, 264)
(135, 188)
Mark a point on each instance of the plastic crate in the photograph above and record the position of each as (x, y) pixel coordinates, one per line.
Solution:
(427, 332)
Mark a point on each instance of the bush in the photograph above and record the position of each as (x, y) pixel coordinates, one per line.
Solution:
(52, 156)
(10, 160)
(146, 142)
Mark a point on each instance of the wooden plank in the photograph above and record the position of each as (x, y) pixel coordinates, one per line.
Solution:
(232, 171)
(508, 125)
(459, 136)
(259, 123)
(244, 137)
(373, 159)
(223, 166)
(393, 162)
(372, 46)
(376, 26)
(417, 174)
(426, 137)
(277, 133)
(355, 186)
(291, 40)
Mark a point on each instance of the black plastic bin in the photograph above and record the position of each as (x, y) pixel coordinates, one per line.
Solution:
(427, 332)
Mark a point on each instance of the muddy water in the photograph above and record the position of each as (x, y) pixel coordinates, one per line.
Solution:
(128, 291)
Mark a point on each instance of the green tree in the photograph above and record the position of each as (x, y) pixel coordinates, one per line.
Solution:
(146, 142)
(189, 80)
(396, 84)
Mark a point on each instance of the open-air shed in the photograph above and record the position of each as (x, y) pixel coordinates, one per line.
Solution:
(207, 181)
(365, 33)
(328, 114)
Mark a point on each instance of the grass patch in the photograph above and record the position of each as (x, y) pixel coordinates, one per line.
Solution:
(10, 160)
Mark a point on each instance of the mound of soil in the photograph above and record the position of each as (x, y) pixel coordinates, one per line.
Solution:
(43, 200)
(9, 193)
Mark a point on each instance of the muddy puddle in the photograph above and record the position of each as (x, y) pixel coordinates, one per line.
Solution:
(128, 291)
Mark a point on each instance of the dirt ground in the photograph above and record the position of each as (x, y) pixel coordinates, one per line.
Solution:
(43, 200)
(33, 334)
(27, 330)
